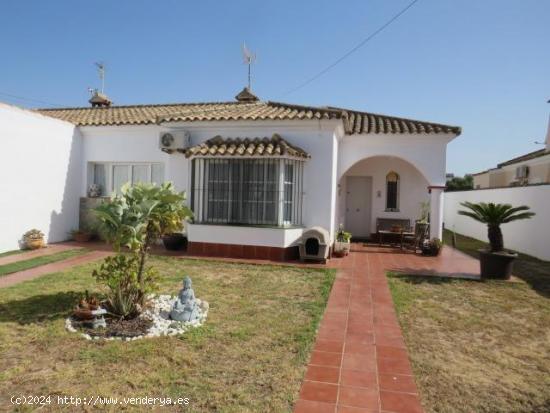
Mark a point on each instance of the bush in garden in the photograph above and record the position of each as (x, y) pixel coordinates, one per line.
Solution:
(135, 219)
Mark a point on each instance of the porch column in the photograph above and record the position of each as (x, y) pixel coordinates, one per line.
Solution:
(436, 211)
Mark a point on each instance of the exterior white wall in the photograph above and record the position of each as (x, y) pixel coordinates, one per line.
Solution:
(413, 188)
(228, 234)
(426, 152)
(140, 144)
(528, 236)
(332, 155)
(41, 168)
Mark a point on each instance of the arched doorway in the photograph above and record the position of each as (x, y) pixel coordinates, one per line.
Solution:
(380, 187)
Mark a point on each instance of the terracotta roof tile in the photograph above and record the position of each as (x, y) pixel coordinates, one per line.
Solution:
(272, 147)
(355, 122)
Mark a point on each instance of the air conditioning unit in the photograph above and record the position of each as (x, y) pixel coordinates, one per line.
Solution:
(522, 172)
(174, 141)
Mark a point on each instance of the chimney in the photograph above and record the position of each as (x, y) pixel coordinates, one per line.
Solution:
(99, 100)
(246, 95)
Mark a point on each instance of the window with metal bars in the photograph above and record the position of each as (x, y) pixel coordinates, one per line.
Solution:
(247, 191)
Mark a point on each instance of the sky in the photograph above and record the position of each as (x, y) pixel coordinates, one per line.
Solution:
(482, 65)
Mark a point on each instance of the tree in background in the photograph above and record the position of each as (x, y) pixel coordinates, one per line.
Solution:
(458, 183)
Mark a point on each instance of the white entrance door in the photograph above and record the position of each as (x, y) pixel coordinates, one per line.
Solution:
(358, 205)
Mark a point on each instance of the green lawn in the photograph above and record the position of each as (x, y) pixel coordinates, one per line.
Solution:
(250, 355)
(476, 346)
(13, 252)
(38, 261)
(533, 271)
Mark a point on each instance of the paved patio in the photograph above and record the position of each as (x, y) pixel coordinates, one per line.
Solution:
(360, 362)
(31, 273)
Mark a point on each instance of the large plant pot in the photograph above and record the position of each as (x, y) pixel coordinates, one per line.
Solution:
(34, 244)
(341, 248)
(175, 242)
(496, 265)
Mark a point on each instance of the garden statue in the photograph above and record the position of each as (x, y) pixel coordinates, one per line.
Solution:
(185, 308)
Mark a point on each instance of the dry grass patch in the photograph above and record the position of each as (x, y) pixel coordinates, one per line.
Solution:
(476, 346)
(249, 356)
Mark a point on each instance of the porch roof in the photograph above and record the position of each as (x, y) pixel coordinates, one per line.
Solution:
(241, 147)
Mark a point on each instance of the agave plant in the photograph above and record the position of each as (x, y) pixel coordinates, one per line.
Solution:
(494, 215)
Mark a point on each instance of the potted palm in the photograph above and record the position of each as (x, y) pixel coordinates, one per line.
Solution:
(495, 262)
(342, 245)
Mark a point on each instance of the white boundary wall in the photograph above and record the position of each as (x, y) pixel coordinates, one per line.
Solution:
(40, 167)
(530, 236)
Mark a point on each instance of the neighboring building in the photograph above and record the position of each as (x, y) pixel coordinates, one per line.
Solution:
(529, 169)
(449, 176)
(257, 173)
(532, 168)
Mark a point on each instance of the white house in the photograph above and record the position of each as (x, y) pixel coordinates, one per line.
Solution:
(257, 173)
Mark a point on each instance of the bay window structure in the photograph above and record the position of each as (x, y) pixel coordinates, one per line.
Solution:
(110, 176)
(247, 182)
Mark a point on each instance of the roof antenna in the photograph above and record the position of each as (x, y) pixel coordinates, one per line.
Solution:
(101, 70)
(100, 99)
(249, 58)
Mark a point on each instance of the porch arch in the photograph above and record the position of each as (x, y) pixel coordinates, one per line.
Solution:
(427, 157)
(352, 200)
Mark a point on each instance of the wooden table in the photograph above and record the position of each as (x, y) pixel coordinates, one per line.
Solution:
(399, 235)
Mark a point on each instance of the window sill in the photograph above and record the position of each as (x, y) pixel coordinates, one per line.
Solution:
(391, 210)
(221, 224)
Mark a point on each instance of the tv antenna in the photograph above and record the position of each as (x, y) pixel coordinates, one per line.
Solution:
(248, 58)
(548, 133)
(101, 71)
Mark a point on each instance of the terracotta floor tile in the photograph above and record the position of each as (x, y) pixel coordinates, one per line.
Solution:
(360, 362)
(390, 341)
(366, 336)
(358, 397)
(397, 382)
(391, 352)
(308, 406)
(324, 358)
(394, 366)
(359, 378)
(319, 392)
(349, 409)
(360, 347)
(332, 346)
(400, 402)
(330, 334)
(323, 374)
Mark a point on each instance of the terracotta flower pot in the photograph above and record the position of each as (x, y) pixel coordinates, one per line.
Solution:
(34, 244)
(341, 248)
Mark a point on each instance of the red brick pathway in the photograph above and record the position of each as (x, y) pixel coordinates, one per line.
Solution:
(27, 255)
(17, 277)
(359, 363)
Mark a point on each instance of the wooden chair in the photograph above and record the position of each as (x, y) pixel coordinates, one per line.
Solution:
(414, 242)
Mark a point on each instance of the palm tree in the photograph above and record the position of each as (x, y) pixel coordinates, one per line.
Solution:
(494, 215)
